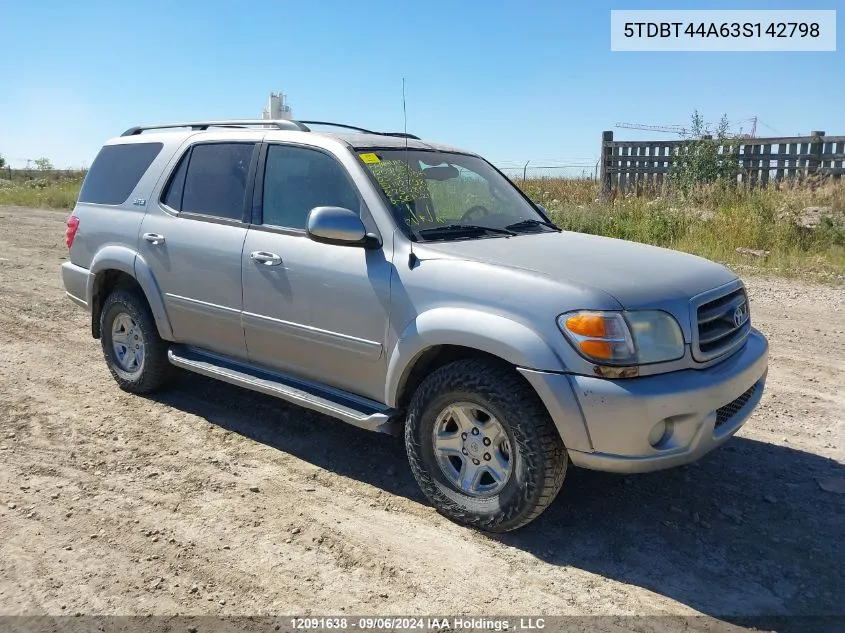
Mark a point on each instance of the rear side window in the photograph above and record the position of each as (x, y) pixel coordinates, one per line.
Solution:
(116, 171)
(173, 195)
(211, 180)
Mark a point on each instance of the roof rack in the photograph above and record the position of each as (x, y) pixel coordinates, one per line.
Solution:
(281, 124)
(361, 129)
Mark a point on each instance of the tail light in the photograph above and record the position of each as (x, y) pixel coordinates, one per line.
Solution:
(70, 231)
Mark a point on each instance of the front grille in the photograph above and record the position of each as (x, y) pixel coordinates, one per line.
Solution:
(725, 413)
(723, 323)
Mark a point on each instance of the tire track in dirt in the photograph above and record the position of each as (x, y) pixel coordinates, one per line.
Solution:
(153, 495)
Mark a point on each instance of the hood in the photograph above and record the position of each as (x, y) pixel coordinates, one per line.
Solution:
(636, 275)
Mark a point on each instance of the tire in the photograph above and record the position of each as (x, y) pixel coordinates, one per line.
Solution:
(126, 317)
(488, 393)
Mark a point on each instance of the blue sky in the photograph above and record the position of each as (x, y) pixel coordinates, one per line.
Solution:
(512, 80)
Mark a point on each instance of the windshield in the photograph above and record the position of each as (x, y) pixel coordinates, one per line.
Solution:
(441, 195)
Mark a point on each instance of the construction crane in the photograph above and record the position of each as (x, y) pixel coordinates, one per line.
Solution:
(682, 131)
(752, 133)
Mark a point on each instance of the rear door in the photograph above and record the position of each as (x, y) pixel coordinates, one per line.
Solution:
(192, 239)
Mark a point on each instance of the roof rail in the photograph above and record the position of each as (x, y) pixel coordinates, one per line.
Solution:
(360, 129)
(281, 124)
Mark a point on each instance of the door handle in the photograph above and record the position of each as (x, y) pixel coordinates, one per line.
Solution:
(154, 238)
(265, 258)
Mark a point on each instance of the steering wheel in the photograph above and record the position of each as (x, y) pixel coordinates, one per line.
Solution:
(475, 213)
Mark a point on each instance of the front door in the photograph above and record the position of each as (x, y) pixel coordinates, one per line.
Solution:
(192, 239)
(318, 311)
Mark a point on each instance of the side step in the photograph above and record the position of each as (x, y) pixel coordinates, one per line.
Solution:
(356, 410)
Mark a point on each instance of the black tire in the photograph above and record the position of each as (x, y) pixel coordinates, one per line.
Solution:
(155, 370)
(540, 458)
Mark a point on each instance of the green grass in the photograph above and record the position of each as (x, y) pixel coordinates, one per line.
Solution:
(40, 192)
(711, 221)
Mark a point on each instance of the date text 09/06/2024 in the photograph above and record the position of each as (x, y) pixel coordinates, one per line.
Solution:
(418, 623)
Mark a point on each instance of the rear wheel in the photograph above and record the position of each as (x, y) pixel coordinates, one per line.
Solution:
(135, 354)
(482, 446)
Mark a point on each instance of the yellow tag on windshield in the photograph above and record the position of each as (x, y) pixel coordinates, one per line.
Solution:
(370, 158)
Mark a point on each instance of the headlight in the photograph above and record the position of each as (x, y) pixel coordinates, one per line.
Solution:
(657, 336)
(630, 338)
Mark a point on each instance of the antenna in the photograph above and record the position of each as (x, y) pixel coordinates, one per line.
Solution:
(405, 119)
(404, 113)
(412, 259)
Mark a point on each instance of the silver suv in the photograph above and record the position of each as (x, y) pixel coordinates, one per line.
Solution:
(396, 283)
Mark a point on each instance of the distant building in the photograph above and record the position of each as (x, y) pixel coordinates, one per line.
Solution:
(277, 107)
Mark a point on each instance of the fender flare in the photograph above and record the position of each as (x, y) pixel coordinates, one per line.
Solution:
(504, 338)
(126, 260)
(494, 334)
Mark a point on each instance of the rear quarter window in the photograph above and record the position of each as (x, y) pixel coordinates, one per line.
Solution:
(116, 171)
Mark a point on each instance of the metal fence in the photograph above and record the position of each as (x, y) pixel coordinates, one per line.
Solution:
(7, 173)
(547, 169)
(642, 165)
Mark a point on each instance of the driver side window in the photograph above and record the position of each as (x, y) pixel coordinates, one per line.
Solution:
(297, 179)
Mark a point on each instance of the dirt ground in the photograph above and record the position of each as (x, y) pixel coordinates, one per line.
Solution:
(208, 499)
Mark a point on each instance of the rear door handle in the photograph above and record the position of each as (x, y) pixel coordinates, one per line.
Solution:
(265, 258)
(154, 238)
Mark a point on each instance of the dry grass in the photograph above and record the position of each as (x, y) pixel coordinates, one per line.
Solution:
(50, 193)
(711, 221)
(714, 221)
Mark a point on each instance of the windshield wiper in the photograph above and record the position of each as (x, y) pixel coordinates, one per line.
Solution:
(457, 229)
(525, 224)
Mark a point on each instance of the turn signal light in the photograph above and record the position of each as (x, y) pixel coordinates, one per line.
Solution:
(597, 349)
(599, 336)
(587, 324)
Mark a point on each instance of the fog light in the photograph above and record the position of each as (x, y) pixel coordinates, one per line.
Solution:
(658, 433)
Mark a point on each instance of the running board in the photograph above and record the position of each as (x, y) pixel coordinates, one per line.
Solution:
(356, 410)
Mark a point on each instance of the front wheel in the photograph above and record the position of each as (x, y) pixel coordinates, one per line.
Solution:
(482, 446)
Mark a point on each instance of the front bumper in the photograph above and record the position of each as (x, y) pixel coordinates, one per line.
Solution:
(702, 408)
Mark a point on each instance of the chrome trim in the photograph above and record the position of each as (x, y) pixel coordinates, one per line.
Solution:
(706, 297)
(203, 307)
(370, 350)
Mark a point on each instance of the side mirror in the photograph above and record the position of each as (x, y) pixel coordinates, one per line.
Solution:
(336, 225)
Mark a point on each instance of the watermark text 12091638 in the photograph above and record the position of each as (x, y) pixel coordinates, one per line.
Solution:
(723, 30)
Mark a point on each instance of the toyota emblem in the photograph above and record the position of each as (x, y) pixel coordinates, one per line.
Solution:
(740, 315)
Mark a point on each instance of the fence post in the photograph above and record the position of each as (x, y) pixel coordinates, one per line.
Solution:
(816, 146)
(606, 153)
